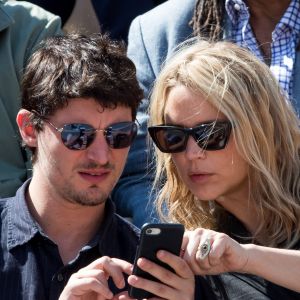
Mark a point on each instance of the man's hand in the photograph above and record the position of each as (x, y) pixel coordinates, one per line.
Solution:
(91, 282)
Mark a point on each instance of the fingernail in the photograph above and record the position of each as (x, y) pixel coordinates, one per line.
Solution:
(132, 279)
(161, 253)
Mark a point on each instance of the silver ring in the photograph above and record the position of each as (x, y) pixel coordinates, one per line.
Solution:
(204, 249)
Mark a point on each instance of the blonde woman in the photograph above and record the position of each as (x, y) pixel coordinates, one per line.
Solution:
(228, 145)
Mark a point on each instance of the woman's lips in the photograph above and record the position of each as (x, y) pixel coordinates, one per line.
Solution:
(200, 177)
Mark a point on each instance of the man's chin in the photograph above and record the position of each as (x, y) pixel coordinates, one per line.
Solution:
(93, 196)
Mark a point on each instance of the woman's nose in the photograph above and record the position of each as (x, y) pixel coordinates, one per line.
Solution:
(193, 151)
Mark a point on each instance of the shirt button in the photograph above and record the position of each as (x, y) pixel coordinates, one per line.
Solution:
(60, 277)
(237, 7)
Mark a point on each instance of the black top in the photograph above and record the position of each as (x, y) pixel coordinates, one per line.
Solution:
(244, 286)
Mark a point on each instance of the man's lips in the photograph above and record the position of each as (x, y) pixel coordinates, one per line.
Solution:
(94, 176)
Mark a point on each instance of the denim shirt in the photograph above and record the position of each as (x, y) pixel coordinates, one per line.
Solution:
(30, 264)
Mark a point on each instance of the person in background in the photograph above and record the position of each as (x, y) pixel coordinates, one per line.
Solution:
(91, 16)
(228, 144)
(270, 29)
(115, 16)
(63, 11)
(23, 27)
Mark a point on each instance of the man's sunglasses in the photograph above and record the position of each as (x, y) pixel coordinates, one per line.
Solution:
(208, 136)
(77, 136)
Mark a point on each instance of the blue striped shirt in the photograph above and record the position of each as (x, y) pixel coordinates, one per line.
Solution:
(285, 39)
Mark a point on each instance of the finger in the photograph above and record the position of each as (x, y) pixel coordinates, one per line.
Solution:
(203, 251)
(193, 242)
(203, 248)
(125, 266)
(164, 275)
(82, 286)
(99, 274)
(115, 268)
(184, 243)
(122, 296)
(178, 264)
(191, 249)
(217, 251)
(153, 287)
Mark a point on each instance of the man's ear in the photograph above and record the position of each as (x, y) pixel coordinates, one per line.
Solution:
(26, 128)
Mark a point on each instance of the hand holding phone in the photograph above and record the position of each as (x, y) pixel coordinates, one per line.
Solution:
(155, 237)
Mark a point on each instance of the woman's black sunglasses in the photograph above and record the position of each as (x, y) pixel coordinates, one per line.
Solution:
(208, 136)
(77, 136)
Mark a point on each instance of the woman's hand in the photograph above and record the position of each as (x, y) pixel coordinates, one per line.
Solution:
(91, 282)
(209, 252)
(178, 285)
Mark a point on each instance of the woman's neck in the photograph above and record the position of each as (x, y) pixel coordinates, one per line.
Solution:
(243, 209)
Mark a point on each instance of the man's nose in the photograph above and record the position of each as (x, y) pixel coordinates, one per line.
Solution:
(99, 150)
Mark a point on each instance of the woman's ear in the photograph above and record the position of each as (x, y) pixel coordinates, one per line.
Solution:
(26, 128)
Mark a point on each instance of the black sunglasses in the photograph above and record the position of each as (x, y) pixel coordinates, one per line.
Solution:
(208, 136)
(77, 136)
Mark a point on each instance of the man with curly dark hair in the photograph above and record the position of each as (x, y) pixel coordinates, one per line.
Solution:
(79, 101)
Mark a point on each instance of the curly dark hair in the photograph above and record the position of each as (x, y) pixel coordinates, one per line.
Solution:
(78, 66)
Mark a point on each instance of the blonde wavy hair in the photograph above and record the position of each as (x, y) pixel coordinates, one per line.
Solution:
(266, 133)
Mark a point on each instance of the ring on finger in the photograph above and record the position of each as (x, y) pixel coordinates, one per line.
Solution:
(204, 249)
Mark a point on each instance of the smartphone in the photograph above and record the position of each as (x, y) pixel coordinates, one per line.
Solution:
(154, 237)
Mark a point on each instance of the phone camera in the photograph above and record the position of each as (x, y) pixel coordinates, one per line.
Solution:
(153, 231)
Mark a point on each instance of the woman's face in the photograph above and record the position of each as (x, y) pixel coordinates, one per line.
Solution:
(220, 175)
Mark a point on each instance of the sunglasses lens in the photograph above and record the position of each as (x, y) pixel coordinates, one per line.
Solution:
(212, 136)
(77, 136)
(121, 135)
(172, 139)
(168, 139)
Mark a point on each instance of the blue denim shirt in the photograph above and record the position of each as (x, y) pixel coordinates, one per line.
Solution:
(30, 264)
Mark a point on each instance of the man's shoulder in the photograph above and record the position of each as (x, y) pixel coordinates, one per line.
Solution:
(5, 207)
(154, 35)
(20, 10)
(5, 201)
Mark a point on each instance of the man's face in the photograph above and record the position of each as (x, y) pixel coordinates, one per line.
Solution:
(84, 177)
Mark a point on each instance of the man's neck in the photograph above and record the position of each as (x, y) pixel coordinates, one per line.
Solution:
(270, 9)
(264, 16)
(70, 226)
